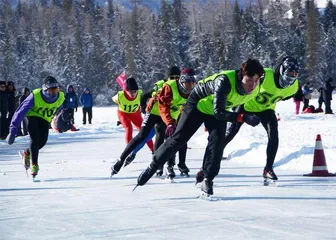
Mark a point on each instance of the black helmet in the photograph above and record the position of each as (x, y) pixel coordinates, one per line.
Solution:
(50, 82)
(173, 72)
(289, 70)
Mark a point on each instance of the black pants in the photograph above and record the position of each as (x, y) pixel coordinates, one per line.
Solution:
(183, 154)
(71, 112)
(327, 104)
(160, 131)
(38, 129)
(148, 123)
(87, 110)
(269, 121)
(305, 103)
(3, 124)
(191, 119)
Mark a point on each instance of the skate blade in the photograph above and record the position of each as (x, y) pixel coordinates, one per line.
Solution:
(207, 197)
(23, 163)
(186, 175)
(135, 187)
(270, 182)
(159, 175)
(35, 179)
(169, 179)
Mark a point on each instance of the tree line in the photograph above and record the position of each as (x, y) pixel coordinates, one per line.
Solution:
(89, 45)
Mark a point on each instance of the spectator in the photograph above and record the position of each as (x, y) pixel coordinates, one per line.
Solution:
(320, 99)
(298, 98)
(327, 95)
(87, 103)
(3, 110)
(306, 90)
(11, 103)
(62, 121)
(71, 102)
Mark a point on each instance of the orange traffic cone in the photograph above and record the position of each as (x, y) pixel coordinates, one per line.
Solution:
(320, 168)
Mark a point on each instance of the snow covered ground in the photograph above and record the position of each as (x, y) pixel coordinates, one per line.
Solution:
(76, 200)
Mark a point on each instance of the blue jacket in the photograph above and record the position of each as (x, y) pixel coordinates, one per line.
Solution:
(86, 99)
(71, 100)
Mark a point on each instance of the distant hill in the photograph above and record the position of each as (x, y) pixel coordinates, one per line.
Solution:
(152, 4)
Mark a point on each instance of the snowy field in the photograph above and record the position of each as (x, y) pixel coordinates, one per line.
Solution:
(76, 200)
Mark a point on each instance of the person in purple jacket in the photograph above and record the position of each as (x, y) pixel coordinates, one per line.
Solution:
(39, 108)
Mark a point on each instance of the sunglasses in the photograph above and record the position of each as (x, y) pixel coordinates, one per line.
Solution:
(133, 91)
(174, 77)
(292, 74)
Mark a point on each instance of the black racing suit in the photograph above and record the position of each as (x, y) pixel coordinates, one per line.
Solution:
(269, 121)
(38, 129)
(191, 119)
(148, 123)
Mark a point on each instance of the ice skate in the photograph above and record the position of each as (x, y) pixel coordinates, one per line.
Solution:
(34, 171)
(116, 167)
(159, 172)
(25, 156)
(269, 177)
(129, 159)
(170, 173)
(199, 176)
(146, 175)
(183, 169)
(206, 190)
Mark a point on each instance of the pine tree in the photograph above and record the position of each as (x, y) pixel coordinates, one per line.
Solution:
(180, 32)
(313, 64)
(329, 17)
(6, 44)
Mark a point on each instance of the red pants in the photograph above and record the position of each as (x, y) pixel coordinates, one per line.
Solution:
(126, 120)
(297, 106)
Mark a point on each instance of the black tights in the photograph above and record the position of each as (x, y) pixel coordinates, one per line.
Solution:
(38, 129)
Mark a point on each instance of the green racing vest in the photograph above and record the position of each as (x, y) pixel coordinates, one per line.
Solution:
(205, 105)
(43, 109)
(269, 94)
(129, 106)
(159, 85)
(177, 101)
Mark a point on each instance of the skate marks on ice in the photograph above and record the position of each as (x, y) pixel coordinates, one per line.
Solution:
(217, 198)
(36, 189)
(66, 179)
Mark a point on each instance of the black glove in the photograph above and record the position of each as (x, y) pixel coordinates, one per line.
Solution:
(170, 129)
(10, 138)
(220, 114)
(143, 110)
(251, 119)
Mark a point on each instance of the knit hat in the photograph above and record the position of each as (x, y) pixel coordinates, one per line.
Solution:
(50, 82)
(10, 83)
(187, 75)
(131, 84)
(173, 71)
